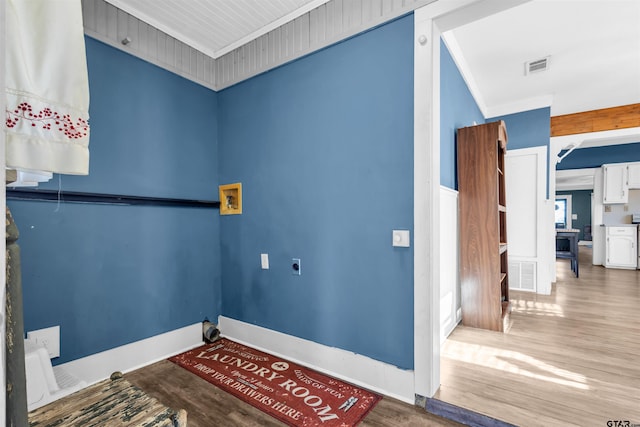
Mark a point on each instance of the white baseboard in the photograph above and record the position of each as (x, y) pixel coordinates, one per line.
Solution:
(126, 358)
(348, 366)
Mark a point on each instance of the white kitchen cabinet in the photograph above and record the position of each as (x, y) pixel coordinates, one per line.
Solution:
(621, 247)
(633, 175)
(616, 189)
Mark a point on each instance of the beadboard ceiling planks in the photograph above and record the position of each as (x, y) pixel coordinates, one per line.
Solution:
(216, 27)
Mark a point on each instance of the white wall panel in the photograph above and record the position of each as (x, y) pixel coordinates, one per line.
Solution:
(449, 264)
(522, 201)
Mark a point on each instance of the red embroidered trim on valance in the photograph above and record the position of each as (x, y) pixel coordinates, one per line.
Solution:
(47, 117)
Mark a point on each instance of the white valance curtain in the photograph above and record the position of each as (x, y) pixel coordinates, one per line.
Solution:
(47, 87)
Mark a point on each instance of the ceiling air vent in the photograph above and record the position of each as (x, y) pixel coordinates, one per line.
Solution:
(536, 66)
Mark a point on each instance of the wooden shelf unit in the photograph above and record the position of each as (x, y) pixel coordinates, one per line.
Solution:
(483, 226)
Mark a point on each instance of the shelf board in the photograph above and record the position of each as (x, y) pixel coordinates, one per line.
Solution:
(111, 199)
(502, 208)
(502, 277)
(503, 247)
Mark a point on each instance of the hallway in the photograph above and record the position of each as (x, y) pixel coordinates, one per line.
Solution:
(569, 358)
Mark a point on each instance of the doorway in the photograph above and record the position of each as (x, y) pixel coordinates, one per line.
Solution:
(430, 22)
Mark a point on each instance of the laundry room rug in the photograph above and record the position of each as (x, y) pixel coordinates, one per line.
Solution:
(285, 390)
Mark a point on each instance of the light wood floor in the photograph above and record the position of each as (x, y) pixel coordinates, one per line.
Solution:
(208, 406)
(571, 358)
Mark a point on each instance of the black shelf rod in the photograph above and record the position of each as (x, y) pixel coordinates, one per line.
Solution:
(110, 199)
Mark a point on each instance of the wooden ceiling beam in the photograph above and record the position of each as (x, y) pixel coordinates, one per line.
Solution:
(626, 116)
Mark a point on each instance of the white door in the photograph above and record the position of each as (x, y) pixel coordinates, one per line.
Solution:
(615, 184)
(621, 247)
(525, 181)
(633, 174)
(620, 251)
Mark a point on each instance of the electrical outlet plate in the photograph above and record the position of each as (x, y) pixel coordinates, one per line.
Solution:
(296, 268)
(401, 238)
(49, 338)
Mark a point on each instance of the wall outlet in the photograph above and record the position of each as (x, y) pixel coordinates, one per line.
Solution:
(401, 238)
(49, 338)
(295, 267)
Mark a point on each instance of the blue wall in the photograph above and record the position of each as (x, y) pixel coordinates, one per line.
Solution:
(581, 206)
(324, 149)
(110, 275)
(597, 156)
(528, 128)
(458, 109)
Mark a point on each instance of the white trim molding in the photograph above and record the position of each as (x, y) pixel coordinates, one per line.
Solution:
(463, 66)
(348, 366)
(426, 209)
(129, 357)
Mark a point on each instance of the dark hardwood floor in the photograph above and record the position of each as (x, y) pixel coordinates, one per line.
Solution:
(208, 406)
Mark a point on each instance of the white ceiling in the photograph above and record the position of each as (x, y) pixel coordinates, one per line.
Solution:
(594, 50)
(594, 62)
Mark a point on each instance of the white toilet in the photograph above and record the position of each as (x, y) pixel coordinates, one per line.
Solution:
(44, 382)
